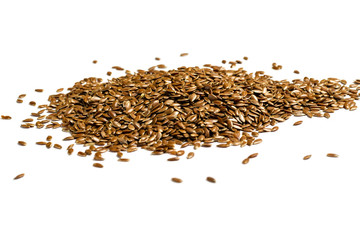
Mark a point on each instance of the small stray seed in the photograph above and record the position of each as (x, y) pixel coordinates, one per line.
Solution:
(176, 180)
(307, 157)
(123, 159)
(57, 146)
(68, 138)
(157, 59)
(180, 153)
(298, 123)
(41, 143)
(48, 138)
(109, 73)
(246, 58)
(48, 145)
(19, 101)
(32, 103)
(98, 165)
(22, 143)
(161, 66)
(257, 141)
(183, 54)
(28, 120)
(39, 90)
(60, 90)
(296, 72)
(95, 61)
(173, 159)
(5, 117)
(81, 154)
(190, 155)
(211, 179)
(22, 95)
(246, 161)
(333, 155)
(19, 176)
(254, 155)
(70, 151)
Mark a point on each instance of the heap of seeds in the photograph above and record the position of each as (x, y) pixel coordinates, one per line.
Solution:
(157, 109)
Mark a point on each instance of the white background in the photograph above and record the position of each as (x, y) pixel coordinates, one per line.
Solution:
(51, 44)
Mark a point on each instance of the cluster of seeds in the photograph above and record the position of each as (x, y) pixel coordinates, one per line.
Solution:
(276, 66)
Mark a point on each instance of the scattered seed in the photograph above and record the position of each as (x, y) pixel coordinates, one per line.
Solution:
(254, 155)
(257, 141)
(59, 90)
(57, 146)
(332, 155)
(39, 90)
(190, 155)
(180, 153)
(307, 157)
(123, 159)
(298, 123)
(246, 58)
(41, 143)
(173, 159)
(28, 120)
(19, 101)
(48, 144)
(183, 54)
(176, 180)
(161, 66)
(94, 61)
(70, 151)
(5, 117)
(48, 138)
(19, 176)
(22, 143)
(98, 165)
(32, 103)
(81, 154)
(246, 161)
(211, 179)
(22, 96)
(109, 73)
(296, 72)
(157, 59)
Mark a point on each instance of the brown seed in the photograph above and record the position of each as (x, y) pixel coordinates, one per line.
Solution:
(81, 154)
(70, 151)
(19, 101)
(41, 143)
(88, 152)
(257, 141)
(68, 138)
(123, 159)
(5, 117)
(70, 146)
(94, 61)
(180, 153)
(183, 54)
(298, 123)
(98, 157)
(246, 161)
(22, 96)
(32, 103)
(28, 120)
(109, 73)
(48, 144)
(332, 155)
(274, 129)
(307, 157)
(296, 72)
(98, 165)
(190, 155)
(223, 61)
(22, 143)
(57, 146)
(176, 180)
(211, 179)
(254, 155)
(157, 59)
(59, 90)
(161, 66)
(173, 159)
(223, 145)
(19, 176)
(48, 138)
(246, 58)
(39, 90)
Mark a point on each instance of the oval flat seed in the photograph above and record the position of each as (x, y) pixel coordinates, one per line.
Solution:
(57, 146)
(246, 161)
(298, 123)
(41, 143)
(253, 155)
(211, 179)
(332, 155)
(307, 157)
(190, 155)
(176, 180)
(22, 143)
(173, 159)
(98, 165)
(180, 153)
(123, 159)
(19, 176)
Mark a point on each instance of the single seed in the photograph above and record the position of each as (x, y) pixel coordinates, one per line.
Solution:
(48, 138)
(59, 90)
(57, 146)
(157, 59)
(39, 90)
(254, 155)
(246, 161)
(332, 155)
(246, 58)
(173, 159)
(68, 138)
(94, 61)
(32, 103)
(176, 180)
(22, 143)
(70, 151)
(161, 66)
(88, 152)
(81, 154)
(19, 176)
(183, 54)
(109, 73)
(98, 165)
(28, 120)
(70, 146)
(257, 141)
(48, 144)
(223, 145)
(22, 96)
(123, 159)
(223, 61)
(307, 157)
(190, 155)
(5, 117)
(296, 72)
(41, 143)
(211, 179)
(180, 153)
(298, 123)
(19, 101)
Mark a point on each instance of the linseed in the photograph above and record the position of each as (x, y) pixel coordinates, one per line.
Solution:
(176, 180)
(22, 143)
(190, 155)
(246, 161)
(296, 72)
(48, 138)
(19, 176)
(307, 157)
(173, 159)
(332, 155)
(57, 146)
(98, 165)
(32, 103)
(183, 54)
(298, 123)
(39, 90)
(254, 155)
(5, 117)
(211, 179)
(157, 59)
(123, 159)
(109, 73)
(95, 62)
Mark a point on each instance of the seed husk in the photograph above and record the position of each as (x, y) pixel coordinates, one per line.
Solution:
(190, 155)
(19, 176)
(98, 165)
(57, 146)
(176, 180)
(307, 157)
(173, 159)
(22, 143)
(298, 123)
(246, 161)
(332, 155)
(211, 179)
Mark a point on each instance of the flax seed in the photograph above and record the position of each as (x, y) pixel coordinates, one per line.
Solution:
(5, 117)
(254, 155)
(32, 103)
(48, 138)
(19, 101)
(19, 176)
(57, 146)
(123, 159)
(48, 144)
(98, 165)
(180, 153)
(176, 180)
(298, 123)
(246, 161)
(22, 143)
(59, 90)
(211, 179)
(296, 72)
(109, 73)
(173, 159)
(39, 90)
(307, 157)
(332, 155)
(190, 155)
(94, 61)
(183, 54)
(157, 59)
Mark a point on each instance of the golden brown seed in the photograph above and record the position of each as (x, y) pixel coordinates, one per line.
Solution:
(81, 154)
(223, 145)
(157, 59)
(98, 165)
(298, 123)
(176, 180)
(173, 159)
(19, 176)
(68, 138)
(123, 159)
(22, 95)
(190, 155)
(254, 155)
(57, 146)
(48, 144)
(28, 120)
(60, 90)
(206, 145)
(223, 61)
(183, 54)
(70, 151)
(161, 66)
(22, 143)
(246, 161)
(180, 153)
(88, 152)
(98, 157)
(5, 117)
(119, 154)
(211, 179)
(296, 72)
(307, 157)
(274, 129)
(32, 103)
(94, 61)
(39, 90)
(333, 155)
(19, 101)
(41, 143)
(70, 146)
(48, 138)
(109, 73)
(257, 141)
(246, 58)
